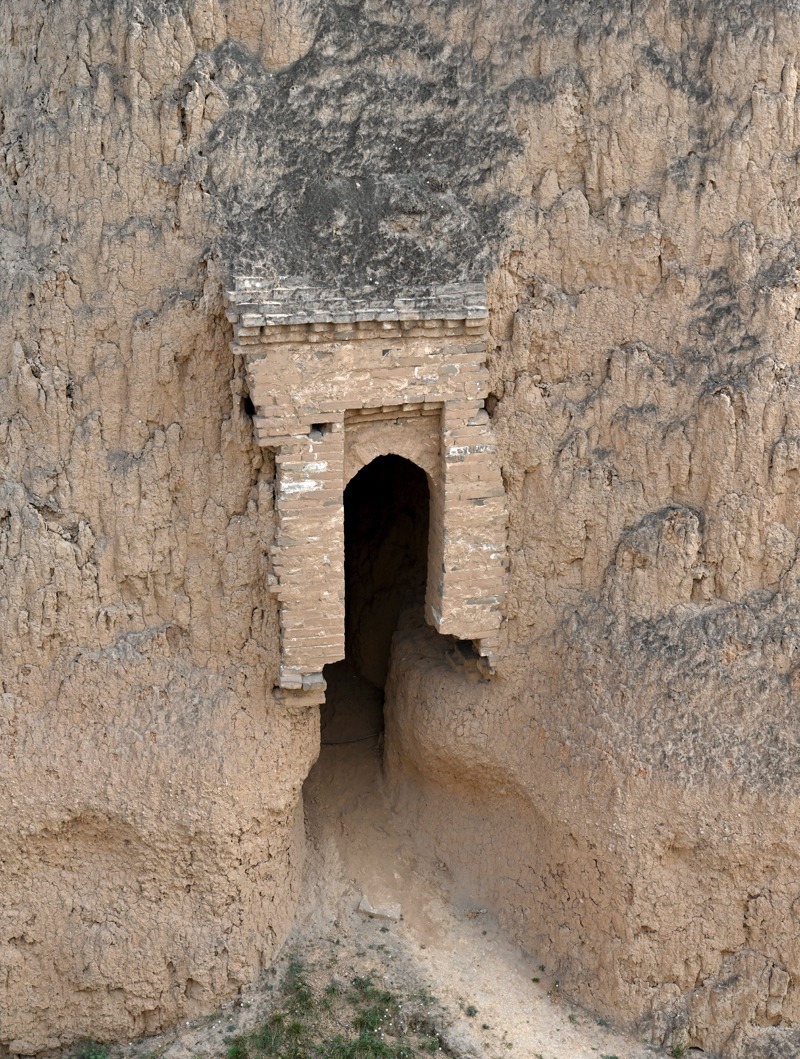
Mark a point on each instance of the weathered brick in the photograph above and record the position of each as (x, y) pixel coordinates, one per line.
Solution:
(373, 369)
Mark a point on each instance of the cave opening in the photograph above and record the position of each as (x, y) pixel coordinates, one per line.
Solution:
(386, 524)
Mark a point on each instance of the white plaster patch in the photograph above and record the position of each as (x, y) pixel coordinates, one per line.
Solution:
(468, 450)
(309, 486)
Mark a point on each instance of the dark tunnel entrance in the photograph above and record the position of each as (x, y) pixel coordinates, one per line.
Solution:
(386, 521)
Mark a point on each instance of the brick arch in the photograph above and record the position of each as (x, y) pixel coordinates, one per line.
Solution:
(411, 438)
(416, 438)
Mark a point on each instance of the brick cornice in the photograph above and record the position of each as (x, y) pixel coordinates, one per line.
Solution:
(257, 303)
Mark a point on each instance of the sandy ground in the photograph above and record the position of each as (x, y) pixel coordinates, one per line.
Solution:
(443, 942)
(491, 1000)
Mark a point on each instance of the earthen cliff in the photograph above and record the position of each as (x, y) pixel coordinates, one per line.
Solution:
(623, 790)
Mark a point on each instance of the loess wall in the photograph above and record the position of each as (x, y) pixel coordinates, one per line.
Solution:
(151, 832)
(624, 791)
(629, 779)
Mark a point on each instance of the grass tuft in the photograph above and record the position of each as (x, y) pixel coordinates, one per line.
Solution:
(88, 1048)
(363, 1020)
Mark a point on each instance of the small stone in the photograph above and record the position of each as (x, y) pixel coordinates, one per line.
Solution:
(390, 912)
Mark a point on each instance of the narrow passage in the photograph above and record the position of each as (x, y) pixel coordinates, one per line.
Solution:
(386, 518)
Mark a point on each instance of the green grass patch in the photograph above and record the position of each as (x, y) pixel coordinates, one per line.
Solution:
(90, 1049)
(360, 1019)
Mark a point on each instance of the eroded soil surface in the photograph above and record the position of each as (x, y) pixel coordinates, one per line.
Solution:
(445, 959)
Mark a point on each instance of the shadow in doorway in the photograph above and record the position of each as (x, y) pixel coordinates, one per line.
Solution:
(386, 523)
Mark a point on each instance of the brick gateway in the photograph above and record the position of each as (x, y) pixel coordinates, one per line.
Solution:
(338, 380)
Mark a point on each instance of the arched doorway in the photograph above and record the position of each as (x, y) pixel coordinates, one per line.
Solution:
(386, 522)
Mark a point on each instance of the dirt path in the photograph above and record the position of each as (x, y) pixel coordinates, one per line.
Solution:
(486, 999)
(443, 940)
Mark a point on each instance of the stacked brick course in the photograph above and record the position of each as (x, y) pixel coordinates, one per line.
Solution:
(337, 380)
